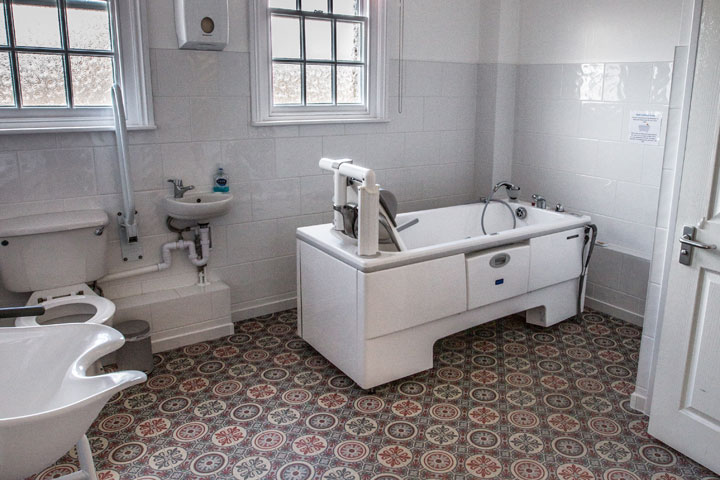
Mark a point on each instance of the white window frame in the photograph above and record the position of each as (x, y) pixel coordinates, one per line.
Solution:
(263, 111)
(132, 63)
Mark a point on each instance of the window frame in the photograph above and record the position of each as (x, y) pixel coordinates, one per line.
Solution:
(263, 110)
(132, 71)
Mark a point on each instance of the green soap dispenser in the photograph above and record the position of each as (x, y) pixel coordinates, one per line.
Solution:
(221, 183)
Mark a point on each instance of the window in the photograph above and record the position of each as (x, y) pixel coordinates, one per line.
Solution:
(317, 61)
(59, 59)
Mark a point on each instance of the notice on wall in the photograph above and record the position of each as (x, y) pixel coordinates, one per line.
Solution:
(645, 127)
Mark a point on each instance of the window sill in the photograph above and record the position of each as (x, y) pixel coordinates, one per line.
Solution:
(12, 128)
(315, 121)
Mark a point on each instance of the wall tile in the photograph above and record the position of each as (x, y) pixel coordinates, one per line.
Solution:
(385, 150)
(602, 121)
(316, 193)
(172, 117)
(346, 146)
(636, 203)
(620, 161)
(46, 174)
(219, 118)
(583, 81)
(662, 74)
(423, 79)
(275, 199)
(457, 146)
(10, 188)
(253, 241)
(634, 276)
(422, 148)
(296, 157)
(250, 159)
(459, 79)
(145, 168)
(627, 82)
(195, 163)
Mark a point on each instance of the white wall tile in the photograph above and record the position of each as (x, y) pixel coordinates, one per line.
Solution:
(627, 82)
(385, 150)
(195, 163)
(295, 157)
(60, 173)
(423, 79)
(275, 198)
(602, 121)
(620, 161)
(637, 203)
(10, 188)
(145, 168)
(458, 80)
(219, 118)
(422, 148)
(583, 81)
(249, 159)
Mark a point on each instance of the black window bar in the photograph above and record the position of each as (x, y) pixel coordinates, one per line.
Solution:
(64, 49)
(302, 15)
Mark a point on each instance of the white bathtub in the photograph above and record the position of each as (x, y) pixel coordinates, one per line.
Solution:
(377, 318)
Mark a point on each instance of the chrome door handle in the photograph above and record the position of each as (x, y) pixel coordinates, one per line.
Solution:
(687, 240)
(689, 243)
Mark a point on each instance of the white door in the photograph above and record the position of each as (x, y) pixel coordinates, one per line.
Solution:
(685, 412)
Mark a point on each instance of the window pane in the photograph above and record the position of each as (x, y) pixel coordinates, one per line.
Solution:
(88, 25)
(349, 84)
(287, 84)
(6, 85)
(92, 78)
(285, 37)
(36, 25)
(288, 4)
(315, 6)
(318, 84)
(346, 7)
(3, 29)
(318, 39)
(349, 41)
(42, 79)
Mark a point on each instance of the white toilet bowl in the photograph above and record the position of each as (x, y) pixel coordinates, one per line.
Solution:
(70, 308)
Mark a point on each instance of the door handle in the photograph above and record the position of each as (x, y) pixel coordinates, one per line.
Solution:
(687, 240)
(689, 243)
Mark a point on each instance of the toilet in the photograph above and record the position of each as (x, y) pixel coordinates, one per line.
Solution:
(54, 256)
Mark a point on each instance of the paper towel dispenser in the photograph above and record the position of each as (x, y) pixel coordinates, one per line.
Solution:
(202, 24)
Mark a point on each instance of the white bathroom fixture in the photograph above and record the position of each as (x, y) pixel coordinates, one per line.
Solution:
(129, 237)
(377, 318)
(368, 201)
(202, 24)
(47, 401)
(199, 207)
(54, 255)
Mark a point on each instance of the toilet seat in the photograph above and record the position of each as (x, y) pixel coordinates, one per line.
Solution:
(104, 309)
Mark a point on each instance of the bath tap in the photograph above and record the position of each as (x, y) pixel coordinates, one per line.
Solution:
(539, 201)
(512, 190)
(178, 188)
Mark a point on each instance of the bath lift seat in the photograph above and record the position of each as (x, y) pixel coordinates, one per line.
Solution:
(104, 310)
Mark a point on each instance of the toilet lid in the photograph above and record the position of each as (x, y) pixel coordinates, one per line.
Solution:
(104, 308)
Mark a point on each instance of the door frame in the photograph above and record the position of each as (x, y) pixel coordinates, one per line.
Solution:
(667, 258)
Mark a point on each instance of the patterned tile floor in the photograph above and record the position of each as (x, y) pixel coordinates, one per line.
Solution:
(504, 400)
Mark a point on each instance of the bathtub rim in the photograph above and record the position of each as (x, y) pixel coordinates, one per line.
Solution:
(327, 240)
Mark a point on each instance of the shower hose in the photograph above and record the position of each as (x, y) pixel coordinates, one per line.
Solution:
(590, 237)
(487, 202)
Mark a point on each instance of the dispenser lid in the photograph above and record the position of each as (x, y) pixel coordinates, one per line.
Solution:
(52, 222)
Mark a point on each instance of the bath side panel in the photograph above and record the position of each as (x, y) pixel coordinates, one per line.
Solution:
(329, 308)
(404, 297)
(555, 258)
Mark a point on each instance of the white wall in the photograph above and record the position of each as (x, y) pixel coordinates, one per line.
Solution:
(591, 31)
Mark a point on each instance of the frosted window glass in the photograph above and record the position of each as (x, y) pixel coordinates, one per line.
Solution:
(318, 39)
(89, 28)
(346, 7)
(36, 25)
(349, 41)
(7, 98)
(92, 78)
(349, 84)
(287, 4)
(314, 5)
(287, 84)
(42, 80)
(285, 37)
(3, 29)
(318, 84)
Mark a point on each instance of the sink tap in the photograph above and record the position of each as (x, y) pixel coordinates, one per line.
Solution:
(539, 201)
(178, 188)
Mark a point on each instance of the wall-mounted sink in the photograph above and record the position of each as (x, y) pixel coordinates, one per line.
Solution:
(200, 206)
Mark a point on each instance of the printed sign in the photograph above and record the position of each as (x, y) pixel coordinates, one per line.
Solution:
(645, 127)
